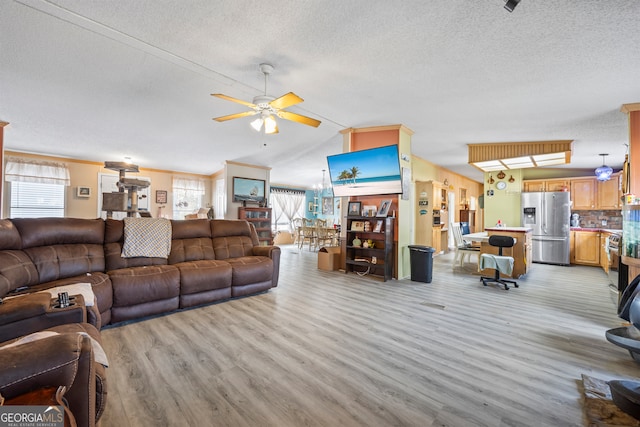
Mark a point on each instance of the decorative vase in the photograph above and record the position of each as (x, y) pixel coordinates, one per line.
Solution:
(357, 241)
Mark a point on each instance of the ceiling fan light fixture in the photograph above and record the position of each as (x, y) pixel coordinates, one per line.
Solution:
(257, 124)
(603, 173)
(270, 125)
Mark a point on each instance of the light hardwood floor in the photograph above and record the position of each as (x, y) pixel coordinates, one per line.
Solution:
(335, 349)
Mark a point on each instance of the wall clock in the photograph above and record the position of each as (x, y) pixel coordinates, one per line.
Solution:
(501, 185)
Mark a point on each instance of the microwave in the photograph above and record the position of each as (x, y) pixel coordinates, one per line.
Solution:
(436, 217)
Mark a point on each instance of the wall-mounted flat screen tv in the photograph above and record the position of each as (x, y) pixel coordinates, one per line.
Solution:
(366, 172)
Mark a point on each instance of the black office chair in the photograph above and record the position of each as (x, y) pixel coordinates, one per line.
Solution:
(494, 261)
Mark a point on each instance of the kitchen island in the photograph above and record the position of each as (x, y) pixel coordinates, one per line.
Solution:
(521, 251)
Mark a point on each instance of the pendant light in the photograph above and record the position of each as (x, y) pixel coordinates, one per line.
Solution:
(603, 173)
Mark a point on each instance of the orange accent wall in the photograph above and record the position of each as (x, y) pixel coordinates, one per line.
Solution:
(364, 140)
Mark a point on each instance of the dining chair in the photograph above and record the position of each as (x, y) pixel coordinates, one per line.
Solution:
(324, 235)
(463, 249)
(308, 233)
(297, 229)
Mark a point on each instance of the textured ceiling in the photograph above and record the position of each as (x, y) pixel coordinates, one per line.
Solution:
(103, 80)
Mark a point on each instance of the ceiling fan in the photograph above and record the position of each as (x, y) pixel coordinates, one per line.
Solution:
(268, 107)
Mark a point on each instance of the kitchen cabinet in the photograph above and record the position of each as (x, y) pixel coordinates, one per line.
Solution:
(583, 194)
(609, 193)
(587, 193)
(546, 185)
(586, 247)
(533, 186)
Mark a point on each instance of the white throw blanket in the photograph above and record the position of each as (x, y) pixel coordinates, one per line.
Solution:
(146, 237)
(504, 264)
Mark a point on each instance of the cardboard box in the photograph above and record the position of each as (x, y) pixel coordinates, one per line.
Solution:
(329, 258)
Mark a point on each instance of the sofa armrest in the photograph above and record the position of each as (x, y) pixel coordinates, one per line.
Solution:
(272, 252)
(46, 362)
(268, 251)
(34, 312)
(59, 360)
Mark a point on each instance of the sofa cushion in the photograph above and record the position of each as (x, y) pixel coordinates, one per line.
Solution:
(191, 241)
(251, 269)
(16, 270)
(144, 291)
(204, 275)
(59, 231)
(9, 235)
(137, 285)
(67, 260)
(204, 281)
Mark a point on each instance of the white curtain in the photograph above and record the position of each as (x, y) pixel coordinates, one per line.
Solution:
(42, 172)
(187, 196)
(286, 203)
(196, 186)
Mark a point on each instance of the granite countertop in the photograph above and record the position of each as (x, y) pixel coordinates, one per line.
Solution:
(510, 229)
(608, 230)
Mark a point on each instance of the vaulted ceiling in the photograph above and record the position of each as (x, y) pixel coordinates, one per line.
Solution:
(100, 80)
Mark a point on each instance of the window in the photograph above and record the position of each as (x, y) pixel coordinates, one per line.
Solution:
(33, 200)
(187, 196)
(37, 188)
(287, 204)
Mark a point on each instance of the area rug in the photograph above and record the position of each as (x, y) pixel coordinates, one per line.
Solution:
(600, 411)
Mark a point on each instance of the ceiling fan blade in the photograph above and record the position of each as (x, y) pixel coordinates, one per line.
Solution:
(229, 98)
(299, 118)
(286, 100)
(235, 116)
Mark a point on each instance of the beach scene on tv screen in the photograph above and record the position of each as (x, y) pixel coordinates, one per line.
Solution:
(360, 173)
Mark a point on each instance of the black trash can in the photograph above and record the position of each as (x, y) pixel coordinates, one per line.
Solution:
(421, 263)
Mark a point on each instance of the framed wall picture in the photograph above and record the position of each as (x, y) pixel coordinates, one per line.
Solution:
(83, 191)
(357, 226)
(384, 208)
(354, 208)
(248, 190)
(310, 207)
(369, 210)
(161, 197)
(327, 206)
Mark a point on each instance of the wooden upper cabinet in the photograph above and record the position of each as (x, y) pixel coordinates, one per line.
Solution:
(558, 185)
(583, 193)
(610, 193)
(546, 185)
(531, 186)
(587, 193)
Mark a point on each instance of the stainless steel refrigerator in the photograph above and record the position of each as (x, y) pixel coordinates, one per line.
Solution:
(548, 214)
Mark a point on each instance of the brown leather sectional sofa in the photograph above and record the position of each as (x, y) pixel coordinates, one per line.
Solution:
(209, 261)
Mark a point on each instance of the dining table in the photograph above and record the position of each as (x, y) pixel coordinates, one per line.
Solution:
(479, 237)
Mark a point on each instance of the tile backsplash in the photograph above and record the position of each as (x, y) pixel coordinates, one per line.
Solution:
(595, 219)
